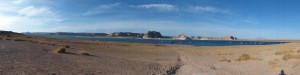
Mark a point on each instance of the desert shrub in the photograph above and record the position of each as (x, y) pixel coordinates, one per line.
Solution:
(291, 56)
(125, 45)
(17, 39)
(46, 43)
(82, 52)
(60, 49)
(225, 60)
(273, 64)
(50, 44)
(283, 52)
(246, 57)
(62, 45)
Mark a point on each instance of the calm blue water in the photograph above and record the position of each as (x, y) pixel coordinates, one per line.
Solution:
(180, 42)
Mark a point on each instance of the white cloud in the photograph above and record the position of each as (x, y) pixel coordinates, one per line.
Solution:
(28, 18)
(36, 11)
(108, 6)
(208, 9)
(43, 13)
(156, 7)
(111, 7)
(19, 1)
(7, 6)
(102, 9)
(161, 7)
(7, 20)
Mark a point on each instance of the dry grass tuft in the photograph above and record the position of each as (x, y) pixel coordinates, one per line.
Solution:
(291, 56)
(223, 54)
(273, 64)
(46, 43)
(283, 52)
(246, 57)
(82, 52)
(60, 49)
(225, 60)
(66, 46)
(18, 39)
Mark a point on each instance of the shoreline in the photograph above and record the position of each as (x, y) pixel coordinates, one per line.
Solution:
(173, 41)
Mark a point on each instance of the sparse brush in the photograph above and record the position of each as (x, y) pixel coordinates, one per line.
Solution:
(17, 39)
(246, 57)
(47, 43)
(66, 46)
(291, 56)
(41, 42)
(273, 64)
(283, 52)
(82, 52)
(60, 49)
(225, 60)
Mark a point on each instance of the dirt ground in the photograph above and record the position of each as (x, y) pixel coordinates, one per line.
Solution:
(34, 56)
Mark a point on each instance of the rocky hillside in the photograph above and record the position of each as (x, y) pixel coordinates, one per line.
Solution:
(182, 37)
(9, 34)
(152, 34)
(125, 34)
(228, 37)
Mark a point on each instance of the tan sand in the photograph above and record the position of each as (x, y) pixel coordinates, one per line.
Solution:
(262, 60)
(34, 56)
(106, 58)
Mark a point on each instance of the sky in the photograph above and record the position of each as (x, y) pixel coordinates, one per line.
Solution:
(245, 19)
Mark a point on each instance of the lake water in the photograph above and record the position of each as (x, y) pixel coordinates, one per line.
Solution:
(180, 42)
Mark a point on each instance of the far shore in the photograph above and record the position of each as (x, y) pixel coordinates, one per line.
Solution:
(171, 38)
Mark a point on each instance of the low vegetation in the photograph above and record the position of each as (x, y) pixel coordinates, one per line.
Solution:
(283, 52)
(60, 49)
(246, 57)
(273, 64)
(225, 60)
(82, 52)
(291, 56)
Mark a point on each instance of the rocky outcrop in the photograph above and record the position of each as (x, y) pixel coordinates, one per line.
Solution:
(182, 37)
(125, 34)
(152, 34)
(214, 38)
(77, 34)
(9, 34)
(228, 37)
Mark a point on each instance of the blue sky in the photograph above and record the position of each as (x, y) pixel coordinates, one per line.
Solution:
(246, 19)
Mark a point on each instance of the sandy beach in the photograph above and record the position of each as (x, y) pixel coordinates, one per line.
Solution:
(28, 55)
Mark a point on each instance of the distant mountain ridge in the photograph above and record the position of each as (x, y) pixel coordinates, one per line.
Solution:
(147, 35)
